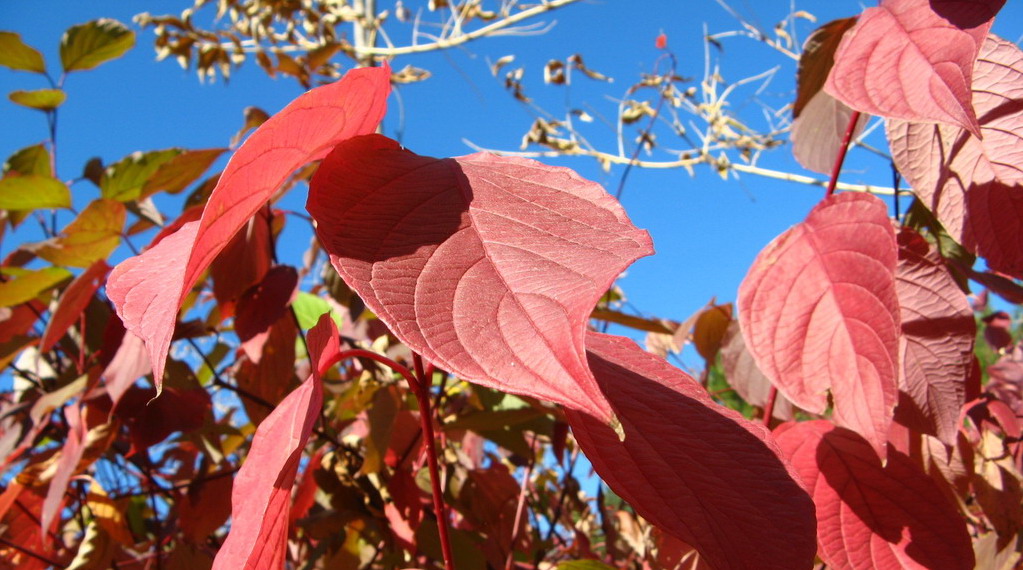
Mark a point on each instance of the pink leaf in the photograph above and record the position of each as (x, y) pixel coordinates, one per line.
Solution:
(486, 266)
(261, 497)
(697, 470)
(818, 132)
(973, 186)
(913, 59)
(819, 312)
(937, 340)
(148, 291)
(871, 517)
(742, 373)
(70, 455)
(127, 365)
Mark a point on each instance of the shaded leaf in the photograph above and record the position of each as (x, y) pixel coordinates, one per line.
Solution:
(87, 45)
(18, 55)
(904, 60)
(819, 312)
(72, 304)
(816, 61)
(148, 290)
(488, 267)
(271, 375)
(262, 305)
(243, 263)
(868, 516)
(818, 133)
(936, 348)
(670, 467)
(742, 373)
(41, 99)
(973, 185)
(33, 191)
(261, 497)
(998, 329)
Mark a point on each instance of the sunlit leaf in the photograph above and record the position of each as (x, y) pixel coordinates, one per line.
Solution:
(87, 45)
(92, 236)
(16, 54)
(125, 179)
(819, 312)
(41, 99)
(72, 303)
(33, 159)
(486, 266)
(33, 191)
(26, 284)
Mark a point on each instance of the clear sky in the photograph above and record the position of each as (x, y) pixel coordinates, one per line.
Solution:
(706, 231)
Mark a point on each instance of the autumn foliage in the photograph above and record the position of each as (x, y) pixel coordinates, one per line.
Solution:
(423, 403)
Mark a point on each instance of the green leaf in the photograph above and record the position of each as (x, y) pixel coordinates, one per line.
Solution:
(309, 308)
(124, 180)
(33, 159)
(41, 99)
(583, 565)
(33, 191)
(87, 45)
(16, 54)
(176, 174)
(22, 285)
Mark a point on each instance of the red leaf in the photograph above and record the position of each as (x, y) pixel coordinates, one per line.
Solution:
(148, 289)
(73, 301)
(261, 306)
(662, 41)
(913, 60)
(486, 266)
(819, 311)
(243, 262)
(152, 421)
(261, 497)
(998, 329)
(816, 61)
(70, 455)
(871, 517)
(937, 340)
(695, 469)
(973, 185)
(741, 373)
(128, 364)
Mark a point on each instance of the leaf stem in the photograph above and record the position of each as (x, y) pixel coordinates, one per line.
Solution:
(772, 396)
(840, 157)
(422, 391)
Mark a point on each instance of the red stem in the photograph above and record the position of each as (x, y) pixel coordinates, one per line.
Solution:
(772, 395)
(840, 157)
(422, 391)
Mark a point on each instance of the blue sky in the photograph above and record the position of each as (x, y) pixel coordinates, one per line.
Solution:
(706, 231)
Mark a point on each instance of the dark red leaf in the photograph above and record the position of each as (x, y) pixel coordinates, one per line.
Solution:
(148, 289)
(151, 421)
(816, 61)
(913, 60)
(973, 185)
(819, 312)
(695, 469)
(273, 375)
(486, 266)
(998, 329)
(869, 516)
(261, 306)
(261, 498)
(938, 331)
(243, 262)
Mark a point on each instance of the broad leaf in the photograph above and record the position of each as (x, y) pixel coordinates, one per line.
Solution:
(87, 45)
(72, 303)
(697, 470)
(128, 363)
(741, 373)
(486, 266)
(819, 312)
(180, 171)
(936, 348)
(66, 464)
(16, 54)
(92, 236)
(243, 262)
(913, 60)
(20, 285)
(816, 61)
(33, 191)
(125, 179)
(41, 99)
(261, 497)
(261, 306)
(869, 516)
(148, 292)
(818, 133)
(973, 186)
(33, 159)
